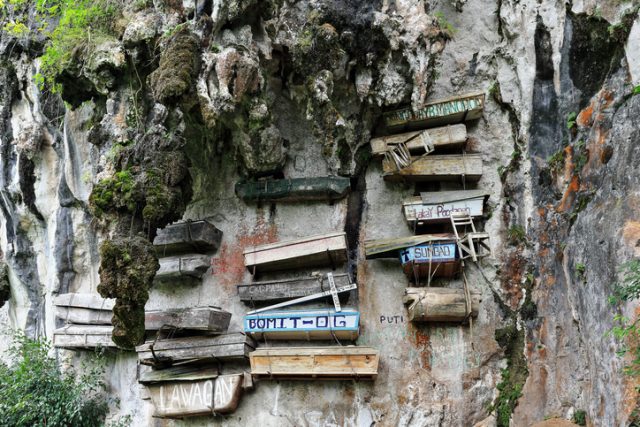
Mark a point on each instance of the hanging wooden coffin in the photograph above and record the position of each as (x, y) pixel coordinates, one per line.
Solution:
(202, 348)
(312, 251)
(346, 362)
(304, 325)
(86, 309)
(83, 337)
(437, 207)
(440, 304)
(282, 290)
(430, 260)
(294, 189)
(210, 319)
(436, 168)
(447, 137)
(436, 113)
(190, 390)
(390, 248)
(191, 236)
(182, 268)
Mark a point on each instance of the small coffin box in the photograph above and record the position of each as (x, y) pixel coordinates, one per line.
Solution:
(437, 207)
(312, 251)
(447, 137)
(430, 260)
(440, 304)
(347, 362)
(191, 390)
(184, 268)
(294, 189)
(282, 290)
(86, 309)
(436, 168)
(436, 113)
(83, 337)
(191, 236)
(304, 325)
(210, 319)
(221, 347)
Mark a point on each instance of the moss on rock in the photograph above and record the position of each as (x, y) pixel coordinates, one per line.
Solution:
(5, 287)
(127, 269)
(179, 64)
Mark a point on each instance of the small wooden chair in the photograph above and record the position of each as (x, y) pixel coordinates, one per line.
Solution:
(471, 244)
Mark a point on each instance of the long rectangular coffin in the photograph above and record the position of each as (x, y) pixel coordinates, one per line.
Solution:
(294, 189)
(191, 236)
(222, 347)
(437, 207)
(436, 113)
(282, 290)
(83, 337)
(447, 137)
(304, 325)
(435, 260)
(440, 304)
(391, 248)
(85, 309)
(347, 362)
(312, 251)
(437, 167)
(177, 399)
(182, 268)
(210, 319)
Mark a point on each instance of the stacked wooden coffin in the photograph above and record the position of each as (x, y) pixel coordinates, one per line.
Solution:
(87, 321)
(443, 221)
(329, 323)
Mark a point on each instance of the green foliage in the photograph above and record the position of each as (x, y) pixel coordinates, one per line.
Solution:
(556, 160)
(629, 288)
(636, 90)
(580, 418)
(16, 29)
(581, 270)
(509, 395)
(580, 155)
(445, 26)
(571, 120)
(35, 392)
(626, 330)
(517, 234)
(113, 193)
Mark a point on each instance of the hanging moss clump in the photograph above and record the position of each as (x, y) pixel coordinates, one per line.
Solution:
(127, 269)
(5, 288)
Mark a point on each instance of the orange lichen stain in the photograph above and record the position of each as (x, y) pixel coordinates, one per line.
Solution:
(422, 341)
(511, 278)
(569, 195)
(631, 236)
(229, 266)
(549, 279)
(542, 211)
(568, 162)
(584, 119)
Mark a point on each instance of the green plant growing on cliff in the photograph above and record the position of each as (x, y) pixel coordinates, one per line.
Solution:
(556, 160)
(580, 417)
(116, 192)
(34, 391)
(636, 90)
(571, 120)
(517, 234)
(445, 26)
(627, 330)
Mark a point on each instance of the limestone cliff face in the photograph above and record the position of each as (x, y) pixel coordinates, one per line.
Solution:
(159, 119)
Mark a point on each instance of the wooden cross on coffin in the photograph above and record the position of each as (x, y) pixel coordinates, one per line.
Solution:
(333, 291)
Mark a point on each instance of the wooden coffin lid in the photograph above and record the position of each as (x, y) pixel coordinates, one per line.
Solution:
(286, 243)
(87, 300)
(197, 341)
(388, 248)
(187, 372)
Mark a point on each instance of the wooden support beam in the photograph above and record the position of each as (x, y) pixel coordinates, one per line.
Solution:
(440, 304)
(191, 236)
(437, 168)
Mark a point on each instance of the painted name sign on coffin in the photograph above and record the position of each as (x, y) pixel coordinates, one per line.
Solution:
(304, 324)
(437, 252)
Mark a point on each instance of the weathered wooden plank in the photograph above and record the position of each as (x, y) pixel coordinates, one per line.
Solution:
(87, 300)
(84, 316)
(191, 236)
(187, 372)
(222, 347)
(431, 260)
(294, 189)
(440, 304)
(191, 398)
(318, 250)
(437, 207)
(281, 290)
(200, 318)
(446, 137)
(177, 267)
(83, 336)
(346, 362)
(390, 248)
(304, 325)
(437, 167)
(436, 113)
